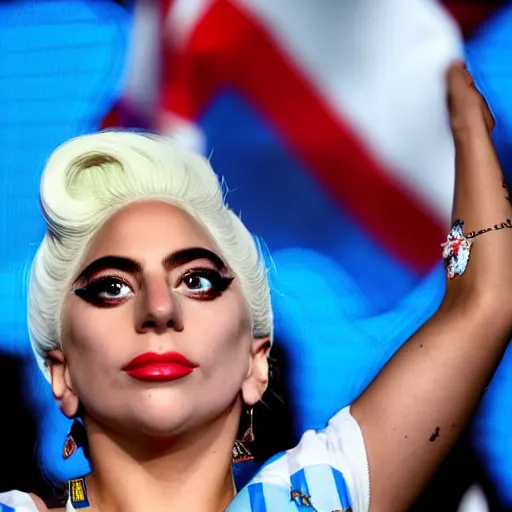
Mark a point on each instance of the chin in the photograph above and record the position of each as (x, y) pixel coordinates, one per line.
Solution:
(160, 427)
(163, 414)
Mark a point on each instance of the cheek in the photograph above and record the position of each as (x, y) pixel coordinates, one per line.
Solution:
(224, 339)
(91, 345)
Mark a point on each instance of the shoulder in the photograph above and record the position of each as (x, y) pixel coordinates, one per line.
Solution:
(17, 501)
(40, 504)
(14, 501)
(42, 507)
(328, 468)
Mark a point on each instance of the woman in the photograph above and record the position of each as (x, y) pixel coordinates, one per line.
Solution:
(149, 313)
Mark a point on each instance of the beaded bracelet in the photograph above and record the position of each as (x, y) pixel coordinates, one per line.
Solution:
(457, 247)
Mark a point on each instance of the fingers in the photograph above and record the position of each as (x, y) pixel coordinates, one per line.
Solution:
(471, 122)
(469, 113)
(480, 199)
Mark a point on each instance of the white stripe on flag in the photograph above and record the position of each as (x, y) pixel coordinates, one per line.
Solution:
(379, 63)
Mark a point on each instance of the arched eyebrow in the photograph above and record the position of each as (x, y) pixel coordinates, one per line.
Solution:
(171, 261)
(184, 256)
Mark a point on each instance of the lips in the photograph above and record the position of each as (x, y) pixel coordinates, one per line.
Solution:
(154, 367)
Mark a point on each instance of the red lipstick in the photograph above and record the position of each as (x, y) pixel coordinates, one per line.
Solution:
(154, 367)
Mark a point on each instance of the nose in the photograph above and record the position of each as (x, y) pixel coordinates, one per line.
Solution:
(158, 309)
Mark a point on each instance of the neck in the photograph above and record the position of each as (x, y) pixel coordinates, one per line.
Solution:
(188, 472)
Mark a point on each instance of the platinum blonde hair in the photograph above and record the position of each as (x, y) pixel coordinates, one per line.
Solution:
(88, 179)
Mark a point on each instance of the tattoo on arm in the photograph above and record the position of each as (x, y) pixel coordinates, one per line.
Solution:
(435, 434)
(506, 186)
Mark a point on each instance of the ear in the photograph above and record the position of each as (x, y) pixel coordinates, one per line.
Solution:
(61, 383)
(256, 381)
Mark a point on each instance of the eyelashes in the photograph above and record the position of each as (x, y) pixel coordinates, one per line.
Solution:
(109, 291)
(105, 291)
(206, 283)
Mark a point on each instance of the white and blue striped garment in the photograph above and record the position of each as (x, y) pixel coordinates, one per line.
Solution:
(326, 472)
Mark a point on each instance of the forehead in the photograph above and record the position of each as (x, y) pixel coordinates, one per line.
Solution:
(148, 228)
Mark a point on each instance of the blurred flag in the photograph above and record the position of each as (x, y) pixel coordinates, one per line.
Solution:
(327, 120)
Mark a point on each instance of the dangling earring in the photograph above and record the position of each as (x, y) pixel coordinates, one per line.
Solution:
(70, 446)
(77, 489)
(77, 492)
(74, 439)
(241, 452)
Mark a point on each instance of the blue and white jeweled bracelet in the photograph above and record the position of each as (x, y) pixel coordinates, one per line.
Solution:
(457, 248)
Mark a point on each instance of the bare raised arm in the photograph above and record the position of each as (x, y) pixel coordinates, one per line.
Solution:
(417, 406)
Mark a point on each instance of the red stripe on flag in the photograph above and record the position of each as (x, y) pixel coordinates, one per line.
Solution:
(471, 15)
(165, 6)
(111, 119)
(229, 47)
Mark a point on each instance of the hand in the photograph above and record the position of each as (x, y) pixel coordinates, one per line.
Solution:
(468, 109)
(481, 200)
(414, 410)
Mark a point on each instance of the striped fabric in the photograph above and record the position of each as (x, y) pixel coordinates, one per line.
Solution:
(320, 487)
(326, 472)
(16, 501)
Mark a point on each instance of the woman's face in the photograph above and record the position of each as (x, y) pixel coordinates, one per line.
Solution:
(153, 284)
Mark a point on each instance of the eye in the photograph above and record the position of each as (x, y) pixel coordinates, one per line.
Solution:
(105, 291)
(113, 289)
(204, 284)
(197, 282)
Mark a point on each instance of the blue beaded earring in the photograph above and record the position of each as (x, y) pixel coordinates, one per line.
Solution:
(76, 438)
